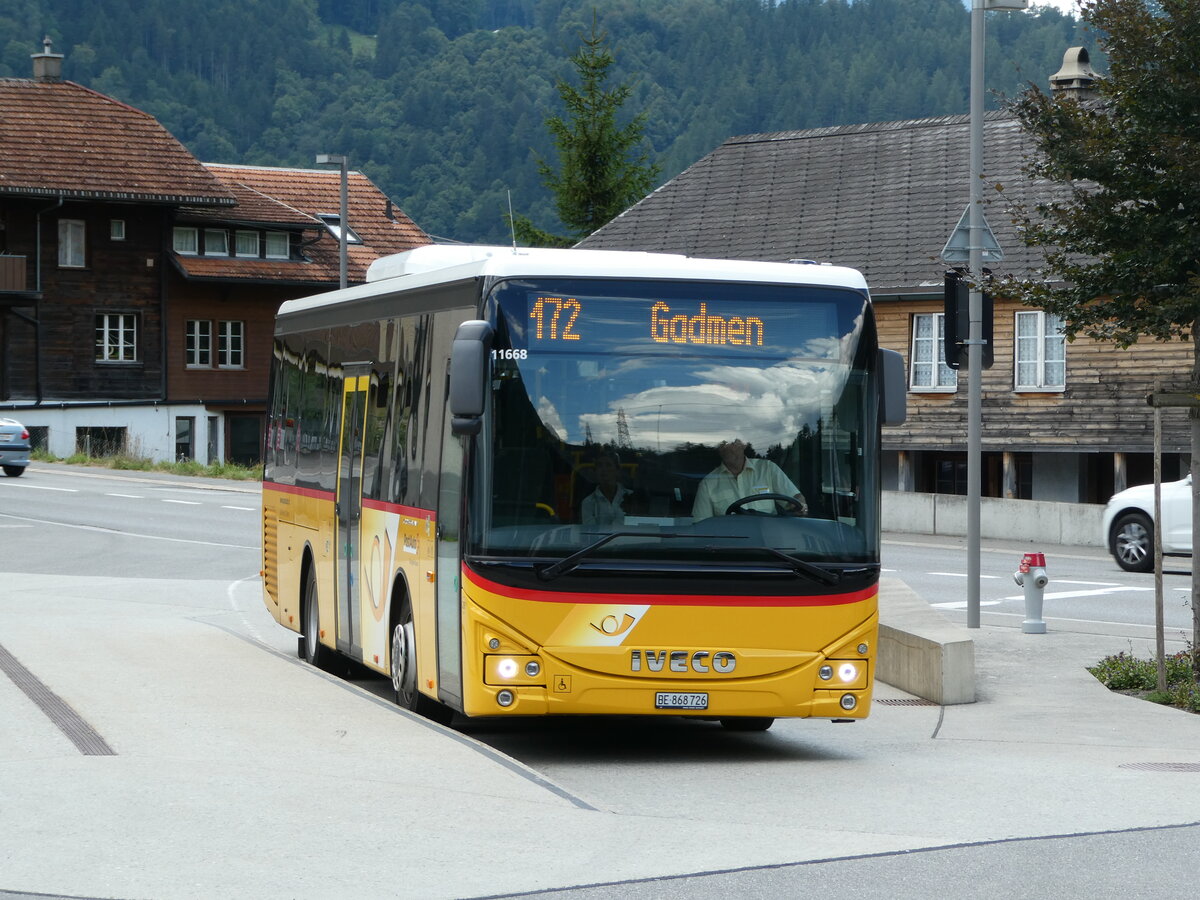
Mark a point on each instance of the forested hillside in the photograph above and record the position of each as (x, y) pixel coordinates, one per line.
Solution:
(442, 102)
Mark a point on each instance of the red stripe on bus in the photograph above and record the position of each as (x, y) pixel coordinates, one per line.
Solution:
(667, 599)
(368, 503)
(315, 493)
(413, 511)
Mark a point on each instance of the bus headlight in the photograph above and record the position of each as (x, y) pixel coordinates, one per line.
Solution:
(846, 673)
(506, 698)
(511, 669)
(849, 701)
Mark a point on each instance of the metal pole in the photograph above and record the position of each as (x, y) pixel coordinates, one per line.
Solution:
(975, 314)
(345, 225)
(1160, 644)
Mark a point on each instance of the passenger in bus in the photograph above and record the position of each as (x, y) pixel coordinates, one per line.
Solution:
(742, 476)
(605, 505)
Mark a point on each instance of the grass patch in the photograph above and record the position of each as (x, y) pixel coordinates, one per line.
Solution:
(130, 462)
(1127, 674)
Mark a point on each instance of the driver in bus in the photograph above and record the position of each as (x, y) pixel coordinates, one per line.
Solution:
(604, 506)
(741, 476)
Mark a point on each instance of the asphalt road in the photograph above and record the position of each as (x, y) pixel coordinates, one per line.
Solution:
(238, 771)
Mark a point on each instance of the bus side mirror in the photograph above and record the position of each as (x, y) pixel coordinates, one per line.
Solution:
(469, 375)
(893, 395)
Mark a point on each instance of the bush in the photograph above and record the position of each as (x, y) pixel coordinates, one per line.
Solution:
(141, 464)
(1125, 672)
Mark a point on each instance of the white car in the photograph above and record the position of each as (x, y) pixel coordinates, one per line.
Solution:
(1129, 524)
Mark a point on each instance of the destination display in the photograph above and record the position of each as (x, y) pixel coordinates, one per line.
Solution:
(571, 322)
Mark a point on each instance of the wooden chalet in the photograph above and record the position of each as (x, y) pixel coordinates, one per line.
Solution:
(1060, 421)
(138, 286)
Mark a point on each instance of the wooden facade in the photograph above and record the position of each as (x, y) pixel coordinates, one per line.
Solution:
(884, 198)
(1099, 425)
(94, 317)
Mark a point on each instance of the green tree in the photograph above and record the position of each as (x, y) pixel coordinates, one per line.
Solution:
(1122, 240)
(603, 166)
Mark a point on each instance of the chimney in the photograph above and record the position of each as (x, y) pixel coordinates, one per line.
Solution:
(47, 66)
(1076, 78)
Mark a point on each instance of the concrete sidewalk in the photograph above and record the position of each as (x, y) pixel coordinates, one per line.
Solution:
(238, 771)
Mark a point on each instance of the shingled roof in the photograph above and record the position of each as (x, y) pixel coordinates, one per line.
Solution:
(62, 139)
(294, 198)
(882, 198)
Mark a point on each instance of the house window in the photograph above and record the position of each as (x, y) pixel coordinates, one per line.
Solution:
(230, 349)
(1041, 352)
(927, 367)
(185, 241)
(247, 243)
(334, 225)
(116, 337)
(116, 229)
(70, 243)
(277, 245)
(216, 242)
(198, 344)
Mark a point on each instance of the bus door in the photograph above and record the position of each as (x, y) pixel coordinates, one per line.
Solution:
(349, 505)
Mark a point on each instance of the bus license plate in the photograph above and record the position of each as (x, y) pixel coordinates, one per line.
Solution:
(675, 700)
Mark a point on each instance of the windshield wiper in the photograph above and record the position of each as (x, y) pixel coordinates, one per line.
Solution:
(567, 563)
(800, 567)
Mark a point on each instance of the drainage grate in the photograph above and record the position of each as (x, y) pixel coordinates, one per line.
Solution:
(905, 702)
(85, 738)
(1162, 767)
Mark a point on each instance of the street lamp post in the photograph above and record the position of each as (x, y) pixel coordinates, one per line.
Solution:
(975, 298)
(328, 159)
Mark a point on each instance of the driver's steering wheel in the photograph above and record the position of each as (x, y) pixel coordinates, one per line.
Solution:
(736, 508)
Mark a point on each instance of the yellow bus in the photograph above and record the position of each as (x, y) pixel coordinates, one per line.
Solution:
(565, 482)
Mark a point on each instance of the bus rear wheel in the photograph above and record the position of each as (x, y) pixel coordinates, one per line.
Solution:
(748, 723)
(404, 671)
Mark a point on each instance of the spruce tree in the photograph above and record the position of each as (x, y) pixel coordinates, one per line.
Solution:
(603, 168)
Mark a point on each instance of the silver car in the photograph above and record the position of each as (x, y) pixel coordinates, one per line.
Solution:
(1128, 527)
(14, 447)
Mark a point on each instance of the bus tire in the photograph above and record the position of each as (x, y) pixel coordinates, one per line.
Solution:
(311, 647)
(748, 723)
(403, 665)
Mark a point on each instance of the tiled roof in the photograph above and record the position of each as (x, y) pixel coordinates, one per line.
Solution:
(287, 198)
(60, 138)
(882, 198)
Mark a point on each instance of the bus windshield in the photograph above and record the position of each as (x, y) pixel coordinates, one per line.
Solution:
(718, 424)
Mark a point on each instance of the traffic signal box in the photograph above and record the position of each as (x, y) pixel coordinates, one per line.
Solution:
(957, 321)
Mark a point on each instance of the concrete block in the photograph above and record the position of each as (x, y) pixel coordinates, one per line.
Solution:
(920, 651)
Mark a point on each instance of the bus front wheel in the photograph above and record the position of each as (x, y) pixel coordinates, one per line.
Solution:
(404, 671)
(310, 645)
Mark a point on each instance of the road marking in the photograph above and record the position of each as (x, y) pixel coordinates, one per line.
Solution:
(182, 502)
(148, 537)
(1090, 583)
(959, 575)
(129, 496)
(42, 487)
(246, 508)
(1069, 595)
(962, 604)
